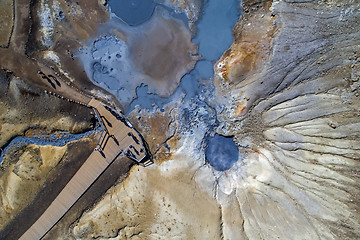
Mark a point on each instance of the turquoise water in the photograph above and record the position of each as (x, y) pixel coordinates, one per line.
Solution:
(214, 37)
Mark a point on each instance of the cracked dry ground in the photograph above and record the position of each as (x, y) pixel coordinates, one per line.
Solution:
(288, 91)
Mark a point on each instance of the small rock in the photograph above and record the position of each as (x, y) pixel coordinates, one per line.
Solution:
(354, 87)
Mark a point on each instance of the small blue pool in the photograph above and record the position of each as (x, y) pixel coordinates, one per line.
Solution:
(221, 152)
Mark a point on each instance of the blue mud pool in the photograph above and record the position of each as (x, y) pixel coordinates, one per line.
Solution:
(133, 12)
(214, 36)
(221, 152)
(215, 27)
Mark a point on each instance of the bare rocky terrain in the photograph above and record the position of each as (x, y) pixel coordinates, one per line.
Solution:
(286, 91)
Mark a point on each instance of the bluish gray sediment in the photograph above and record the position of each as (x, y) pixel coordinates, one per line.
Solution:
(133, 12)
(221, 152)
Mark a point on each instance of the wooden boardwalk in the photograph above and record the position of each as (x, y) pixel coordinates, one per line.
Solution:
(117, 138)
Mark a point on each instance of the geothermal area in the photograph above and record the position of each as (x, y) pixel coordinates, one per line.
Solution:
(198, 119)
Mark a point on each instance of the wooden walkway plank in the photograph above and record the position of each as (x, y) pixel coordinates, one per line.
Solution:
(67, 197)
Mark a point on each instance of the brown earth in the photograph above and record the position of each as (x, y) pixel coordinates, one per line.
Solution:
(52, 43)
(73, 23)
(163, 52)
(158, 130)
(24, 107)
(6, 19)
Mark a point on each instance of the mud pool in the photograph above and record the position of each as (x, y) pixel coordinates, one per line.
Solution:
(159, 60)
(156, 53)
(214, 36)
(215, 27)
(221, 152)
(133, 12)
